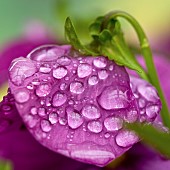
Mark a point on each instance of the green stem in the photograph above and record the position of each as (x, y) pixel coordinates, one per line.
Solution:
(146, 52)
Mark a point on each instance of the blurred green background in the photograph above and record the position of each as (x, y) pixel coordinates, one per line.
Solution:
(153, 15)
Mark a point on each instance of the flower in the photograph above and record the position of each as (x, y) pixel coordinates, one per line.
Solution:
(76, 105)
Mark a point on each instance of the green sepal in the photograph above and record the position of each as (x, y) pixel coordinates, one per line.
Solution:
(73, 39)
(5, 165)
(152, 136)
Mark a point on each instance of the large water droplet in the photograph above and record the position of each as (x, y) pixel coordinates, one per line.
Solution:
(152, 111)
(113, 123)
(20, 69)
(46, 53)
(74, 119)
(64, 61)
(84, 70)
(59, 72)
(148, 93)
(126, 138)
(31, 121)
(100, 62)
(53, 118)
(77, 87)
(59, 99)
(95, 126)
(93, 80)
(91, 112)
(45, 125)
(103, 74)
(43, 90)
(22, 95)
(112, 98)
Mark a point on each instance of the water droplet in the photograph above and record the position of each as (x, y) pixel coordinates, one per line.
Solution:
(91, 112)
(93, 80)
(126, 138)
(64, 60)
(45, 125)
(41, 111)
(30, 86)
(100, 62)
(71, 102)
(63, 86)
(62, 121)
(84, 70)
(59, 72)
(107, 135)
(36, 82)
(20, 69)
(103, 74)
(148, 93)
(95, 126)
(141, 103)
(53, 118)
(131, 116)
(152, 111)
(22, 95)
(113, 123)
(77, 87)
(59, 99)
(111, 67)
(75, 120)
(48, 101)
(33, 110)
(43, 90)
(45, 68)
(112, 98)
(31, 121)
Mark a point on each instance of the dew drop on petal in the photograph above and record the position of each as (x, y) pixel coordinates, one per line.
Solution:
(91, 112)
(126, 138)
(95, 126)
(22, 95)
(93, 80)
(45, 125)
(44, 69)
(64, 60)
(62, 121)
(131, 116)
(112, 98)
(33, 110)
(152, 111)
(77, 87)
(53, 118)
(84, 70)
(102, 74)
(148, 93)
(74, 119)
(113, 123)
(59, 99)
(43, 90)
(59, 72)
(100, 62)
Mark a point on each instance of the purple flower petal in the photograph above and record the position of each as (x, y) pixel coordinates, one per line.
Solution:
(76, 105)
(17, 144)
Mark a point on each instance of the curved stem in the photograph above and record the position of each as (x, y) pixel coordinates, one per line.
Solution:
(146, 52)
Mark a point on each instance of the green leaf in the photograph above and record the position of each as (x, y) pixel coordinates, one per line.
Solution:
(153, 137)
(4, 165)
(73, 39)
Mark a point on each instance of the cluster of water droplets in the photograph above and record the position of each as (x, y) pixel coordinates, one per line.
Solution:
(91, 95)
(148, 100)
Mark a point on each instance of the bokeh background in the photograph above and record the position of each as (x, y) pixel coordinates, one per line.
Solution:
(153, 15)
